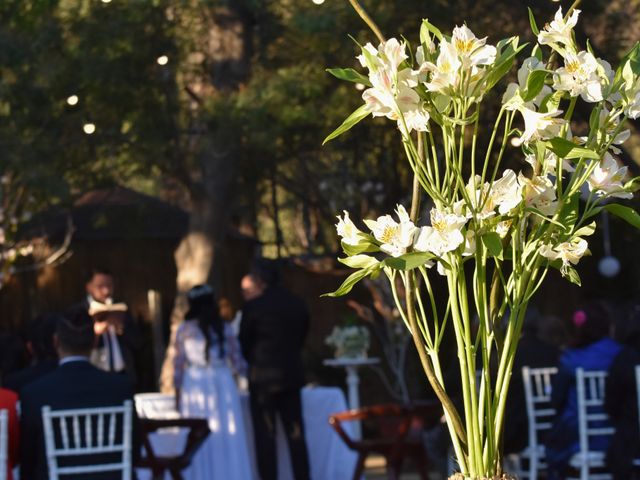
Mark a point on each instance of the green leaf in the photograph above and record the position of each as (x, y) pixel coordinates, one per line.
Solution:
(366, 245)
(359, 261)
(429, 28)
(567, 149)
(504, 61)
(535, 82)
(360, 114)
(627, 214)
(349, 283)
(537, 52)
(350, 75)
(569, 214)
(532, 22)
(493, 243)
(408, 261)
(586, 230)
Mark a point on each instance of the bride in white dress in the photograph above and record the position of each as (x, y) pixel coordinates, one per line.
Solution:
(206, 350)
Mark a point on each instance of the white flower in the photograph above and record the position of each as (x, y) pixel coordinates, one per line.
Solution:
(559, 31)
(395, 237)
(580, 76)
(549, 163)
(472, 51)
(632, 97)
(445, 73)
(469, 243)
(479, 196)
(540, 125)
(607, 178)
(506, 192)
(512, 98)
(502, 229)
(389, 55)
(539, 193)
(348, 231)
(569, 252)
(444, 234)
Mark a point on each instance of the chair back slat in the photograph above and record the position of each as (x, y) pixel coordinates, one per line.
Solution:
(114, 438)
(112, 430)
(4, 443)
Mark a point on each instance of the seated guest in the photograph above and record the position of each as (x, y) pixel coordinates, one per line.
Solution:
(8, 401)
(74, 384)
(44, 356)
(591, 349)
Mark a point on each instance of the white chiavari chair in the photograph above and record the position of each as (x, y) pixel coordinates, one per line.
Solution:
(537, 389)
(78, 433)
(592, 421)
(4, 443)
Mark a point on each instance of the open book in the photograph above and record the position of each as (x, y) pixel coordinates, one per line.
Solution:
(96, 308)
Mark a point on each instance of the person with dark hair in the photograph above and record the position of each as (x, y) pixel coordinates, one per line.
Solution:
(117, 336)
(621, 398)
(272, 333)
(40, 344)
(591, 348)
(74, 384)
(206, 348)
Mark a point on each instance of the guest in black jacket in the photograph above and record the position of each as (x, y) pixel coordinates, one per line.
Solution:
(74, 384)
(272, 333)
(43, 352)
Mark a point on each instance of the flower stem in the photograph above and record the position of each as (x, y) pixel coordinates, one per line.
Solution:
(367, 19)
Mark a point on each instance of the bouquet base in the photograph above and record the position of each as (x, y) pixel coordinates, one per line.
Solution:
(504, 476)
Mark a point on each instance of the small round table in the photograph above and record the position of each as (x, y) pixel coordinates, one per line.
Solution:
(351, 365)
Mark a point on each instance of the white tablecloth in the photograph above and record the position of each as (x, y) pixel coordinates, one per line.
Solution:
(329, 458)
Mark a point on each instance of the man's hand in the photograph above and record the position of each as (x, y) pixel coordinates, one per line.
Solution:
(100, 327)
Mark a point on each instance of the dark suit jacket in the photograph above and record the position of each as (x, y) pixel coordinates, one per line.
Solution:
(73, 385)
(18, 380)
(272, 334)
(130, 341)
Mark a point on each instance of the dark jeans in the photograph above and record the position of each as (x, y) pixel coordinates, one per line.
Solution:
(264, 407)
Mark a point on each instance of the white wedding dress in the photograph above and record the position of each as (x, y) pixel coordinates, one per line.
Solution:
(207, 390)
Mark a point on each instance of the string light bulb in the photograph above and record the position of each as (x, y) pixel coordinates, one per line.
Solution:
(106, 1)
(162, 60)
(318, 2)
(89, 128)
(72, 100)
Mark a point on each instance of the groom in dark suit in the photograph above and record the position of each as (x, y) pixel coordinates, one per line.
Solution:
(272, 333)
(74, 384)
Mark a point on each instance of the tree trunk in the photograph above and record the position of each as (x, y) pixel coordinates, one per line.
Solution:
(220, 38)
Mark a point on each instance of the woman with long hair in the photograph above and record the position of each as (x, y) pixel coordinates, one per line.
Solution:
(206, 353)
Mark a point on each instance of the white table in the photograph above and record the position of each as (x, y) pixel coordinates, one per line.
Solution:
(329, 457)
(351, 365)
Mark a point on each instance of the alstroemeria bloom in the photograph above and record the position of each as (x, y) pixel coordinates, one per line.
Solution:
(506, 192)
(580, 76)
(479, 196)
(559, 31)
(569, 252)
(446, 72)
(607, 178)
(539, 193)
(348, 231)
(549, 163)
(444, 234)
(540, 125)
(513, 102)
(632, 98)
(389, 55)
(395, 237)
(472, 51)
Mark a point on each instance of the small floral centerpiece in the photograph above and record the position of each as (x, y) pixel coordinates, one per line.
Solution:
(490, 233)
(350, 341)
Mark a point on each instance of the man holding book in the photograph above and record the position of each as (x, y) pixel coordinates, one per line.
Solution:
(117, 338)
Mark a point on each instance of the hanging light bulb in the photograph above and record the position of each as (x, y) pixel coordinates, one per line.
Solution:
(318, 2)
(72, 100)
(89, 128)
(162, 60)
(106, 1)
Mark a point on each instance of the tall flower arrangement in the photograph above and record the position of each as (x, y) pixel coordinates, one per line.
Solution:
(504, 228)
